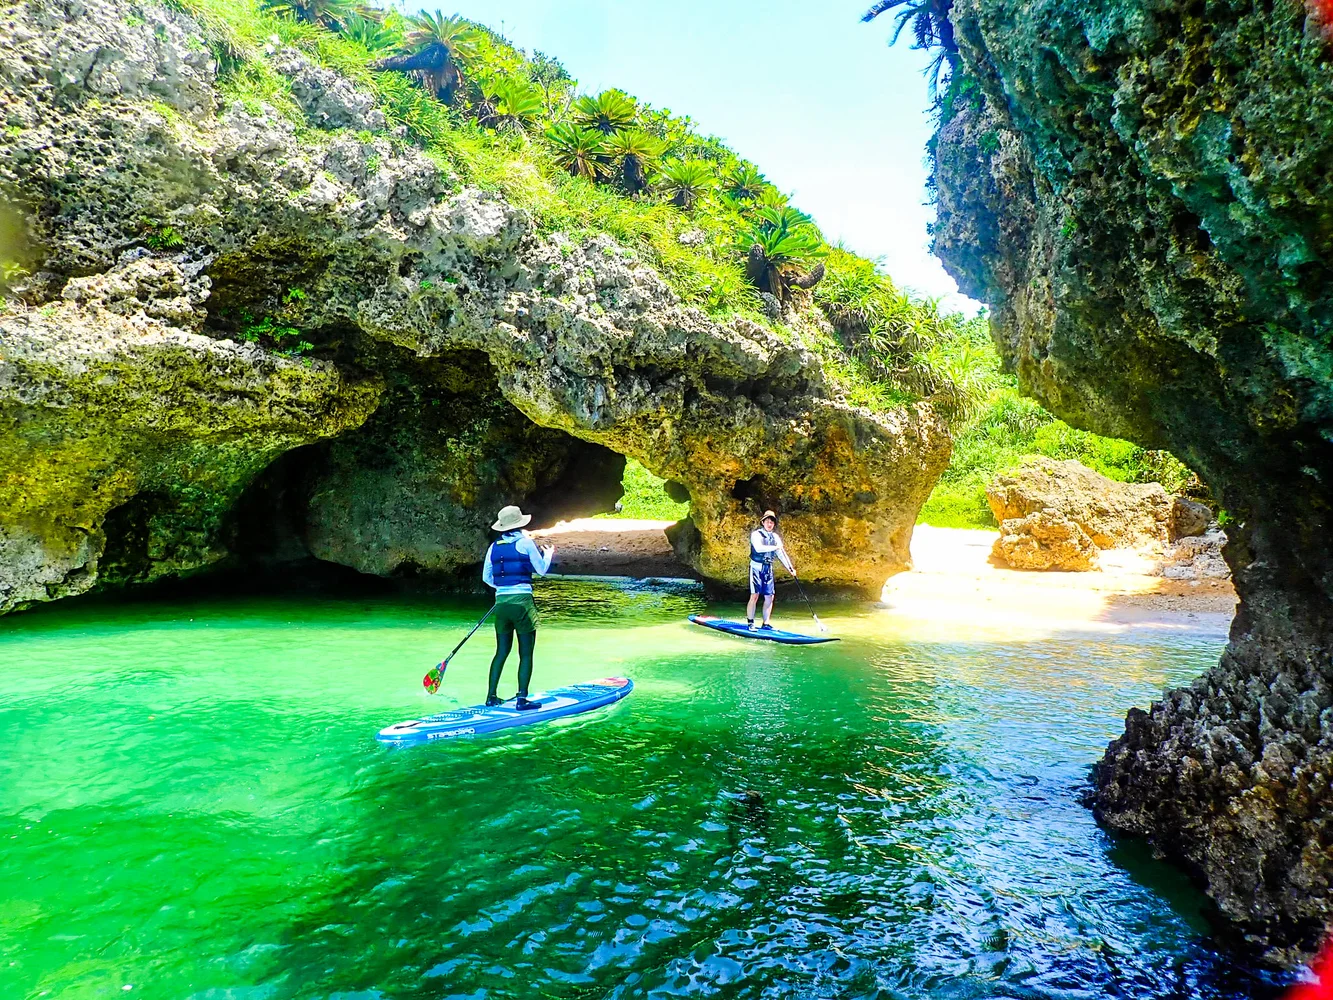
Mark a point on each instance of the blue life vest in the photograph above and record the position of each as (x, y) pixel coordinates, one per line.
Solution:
(509, 567)
(766, 558)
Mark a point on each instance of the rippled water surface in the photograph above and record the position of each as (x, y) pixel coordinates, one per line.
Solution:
(192, 805)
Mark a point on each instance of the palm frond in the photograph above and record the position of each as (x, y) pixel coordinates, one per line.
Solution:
(581, 151)
(608, 112)
(686, 181)
(882, 7)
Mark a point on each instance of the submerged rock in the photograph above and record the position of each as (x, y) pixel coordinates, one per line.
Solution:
(1140, 191)
(187, 247)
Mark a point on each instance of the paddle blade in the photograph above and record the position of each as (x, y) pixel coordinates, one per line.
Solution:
(431, 682)
(1322, 986)
(822, 626)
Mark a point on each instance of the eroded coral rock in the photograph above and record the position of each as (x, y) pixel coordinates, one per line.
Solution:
(1045, 540)
(1113, 515)
(1189, 518)
(1140, 191)
(197, 242)
(1197, 557)
(104, 415)
(416, 488)
(328, 99)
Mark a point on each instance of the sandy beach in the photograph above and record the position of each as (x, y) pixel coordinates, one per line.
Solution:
(593, 546)
(952, 579)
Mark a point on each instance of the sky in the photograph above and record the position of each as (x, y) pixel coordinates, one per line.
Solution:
(815, 98)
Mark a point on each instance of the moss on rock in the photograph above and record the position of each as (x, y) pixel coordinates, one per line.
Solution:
(106, 405)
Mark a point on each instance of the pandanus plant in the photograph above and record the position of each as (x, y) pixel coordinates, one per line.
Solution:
(686, 181)
(437, 49)
(782, 245)
(581, 151)
(637, 152)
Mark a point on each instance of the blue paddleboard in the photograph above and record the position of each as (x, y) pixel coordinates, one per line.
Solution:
(772, 635)
(480, 720)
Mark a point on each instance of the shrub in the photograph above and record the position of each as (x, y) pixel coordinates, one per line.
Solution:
(645, 497)
(1010, 427)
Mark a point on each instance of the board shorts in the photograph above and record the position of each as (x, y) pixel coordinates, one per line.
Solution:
(517, 610)
(761, 579)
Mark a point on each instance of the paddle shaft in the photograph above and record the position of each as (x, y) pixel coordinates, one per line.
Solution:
(797, 581)
(435, 676)
(479, 624)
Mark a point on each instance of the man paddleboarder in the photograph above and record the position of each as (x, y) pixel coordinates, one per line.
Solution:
(509, 566)
(765, 544)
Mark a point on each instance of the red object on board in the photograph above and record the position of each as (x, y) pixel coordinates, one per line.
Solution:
(1322, 966)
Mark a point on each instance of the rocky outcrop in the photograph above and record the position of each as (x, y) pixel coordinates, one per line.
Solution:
(1189, 518)
(1113, 515)
(1140, 191)
(592, 343)
(416, 488)
(1059, 515)
(1197, 557)
(126, 435)
(1045, 540)
(227, 307)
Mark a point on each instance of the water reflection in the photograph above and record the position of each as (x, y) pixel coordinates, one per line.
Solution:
(888, 817)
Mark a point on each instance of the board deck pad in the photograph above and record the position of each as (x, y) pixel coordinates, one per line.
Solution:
(481, 721)
(772, 635)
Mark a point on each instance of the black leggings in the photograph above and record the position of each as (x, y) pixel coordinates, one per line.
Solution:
(504, 642)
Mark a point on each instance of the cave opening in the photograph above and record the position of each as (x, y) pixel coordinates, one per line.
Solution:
(409, 495)
(406, 499)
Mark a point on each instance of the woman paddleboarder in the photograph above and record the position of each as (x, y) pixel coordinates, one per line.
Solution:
(765, 544)
(509, 566)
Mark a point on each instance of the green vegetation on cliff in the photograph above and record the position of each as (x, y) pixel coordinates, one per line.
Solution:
(1008, 427)
(504, 120)
(646, 497)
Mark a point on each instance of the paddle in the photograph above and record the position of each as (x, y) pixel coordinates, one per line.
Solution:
(822, 626)
(431, 682)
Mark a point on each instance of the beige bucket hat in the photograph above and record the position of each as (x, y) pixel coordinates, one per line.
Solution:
(510, 518)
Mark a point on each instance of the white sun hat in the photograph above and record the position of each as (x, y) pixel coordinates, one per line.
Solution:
(511, 518)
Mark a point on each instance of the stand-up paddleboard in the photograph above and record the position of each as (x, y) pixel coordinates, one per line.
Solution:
(771, 634)
(481, 721)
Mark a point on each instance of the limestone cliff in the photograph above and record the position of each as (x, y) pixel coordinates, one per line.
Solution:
(226, 306)
(126, 435)
(1142, 193)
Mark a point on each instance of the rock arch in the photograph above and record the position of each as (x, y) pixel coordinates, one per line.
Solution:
(341, 293)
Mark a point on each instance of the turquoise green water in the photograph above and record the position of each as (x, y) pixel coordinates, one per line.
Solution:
(192, 805)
